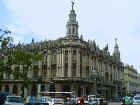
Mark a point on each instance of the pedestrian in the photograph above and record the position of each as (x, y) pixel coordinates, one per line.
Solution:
(101, 100)
(81, 101)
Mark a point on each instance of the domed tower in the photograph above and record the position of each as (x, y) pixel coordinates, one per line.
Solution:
(72, 24)
(116, 50)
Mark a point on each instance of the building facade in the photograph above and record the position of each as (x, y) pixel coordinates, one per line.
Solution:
(130, 77)
(138, 83)
(73, 64)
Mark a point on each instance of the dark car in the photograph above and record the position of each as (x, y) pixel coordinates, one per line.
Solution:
(3, 96)
(103, 101)
(117, 99)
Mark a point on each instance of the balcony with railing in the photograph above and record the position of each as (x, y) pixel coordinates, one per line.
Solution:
(73, 78)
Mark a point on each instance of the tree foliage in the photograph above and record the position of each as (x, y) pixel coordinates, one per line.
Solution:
(15, 55)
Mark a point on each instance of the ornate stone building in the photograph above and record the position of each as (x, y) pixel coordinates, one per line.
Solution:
(74, 65)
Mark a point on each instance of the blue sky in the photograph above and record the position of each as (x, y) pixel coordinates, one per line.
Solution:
(99, 20)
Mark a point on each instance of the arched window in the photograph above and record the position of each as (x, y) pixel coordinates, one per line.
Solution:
(15, 89)
(6, 88)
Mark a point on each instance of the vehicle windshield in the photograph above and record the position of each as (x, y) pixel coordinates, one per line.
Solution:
(15, 99)
(47, 99)
(92, 96)
(137, 98)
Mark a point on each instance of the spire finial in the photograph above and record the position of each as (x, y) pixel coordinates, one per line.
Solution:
(116, 40)
(72, 4)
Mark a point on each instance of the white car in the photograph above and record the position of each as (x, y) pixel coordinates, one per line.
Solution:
(58, 101)
(39, 100)
(14, 100)
(136, 100)
(94, 98)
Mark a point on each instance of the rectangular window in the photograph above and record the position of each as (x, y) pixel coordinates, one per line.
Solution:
(44, 70)
(87, 71)
(66, 70)
(53, 71)
(35, 71)
(66, 56)
(17, 70)
(73, 69)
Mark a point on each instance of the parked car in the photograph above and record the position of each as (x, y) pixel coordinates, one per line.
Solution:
(91, 102)
(127, 100)
(94, 99)
(117, 99)
(39, 100)
(14, 100)
(71, 101)
(3, 96)
(136, 100)
(58, 101)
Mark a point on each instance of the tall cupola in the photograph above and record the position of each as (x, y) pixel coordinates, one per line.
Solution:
(72, 24)
(116, 50)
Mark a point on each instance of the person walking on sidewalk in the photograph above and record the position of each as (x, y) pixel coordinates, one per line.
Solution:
(81, 101)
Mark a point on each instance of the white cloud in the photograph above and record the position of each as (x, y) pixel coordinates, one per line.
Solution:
(16, 29)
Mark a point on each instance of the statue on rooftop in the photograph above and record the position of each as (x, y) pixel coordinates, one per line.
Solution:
(72, 4)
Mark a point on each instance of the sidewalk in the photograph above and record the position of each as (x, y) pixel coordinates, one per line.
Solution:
(114, 103)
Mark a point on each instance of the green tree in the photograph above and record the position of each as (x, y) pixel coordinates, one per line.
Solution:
(15, 55)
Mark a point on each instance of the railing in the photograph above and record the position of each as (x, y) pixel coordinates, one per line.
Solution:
(69, 79)
(84, 79)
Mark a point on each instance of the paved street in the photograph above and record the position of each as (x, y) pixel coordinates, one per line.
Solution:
(114, 103)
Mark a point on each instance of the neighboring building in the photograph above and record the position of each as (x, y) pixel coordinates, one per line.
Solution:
(130, 78)
(74, 65)
(138, 83)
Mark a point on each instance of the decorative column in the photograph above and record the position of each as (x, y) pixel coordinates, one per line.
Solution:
(73, 89)
(39, 88)
(84, 91)
(29, 90)
(18, 89)
(78, 64)
(60, 69)
(70, 62)
(10, 88)
(25, 92)
(63, 65)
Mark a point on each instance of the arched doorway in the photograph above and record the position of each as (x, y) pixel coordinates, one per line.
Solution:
(34, 90)
(15, 89)
(6, 88)
(79, 91)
